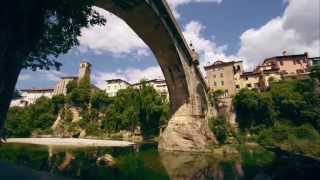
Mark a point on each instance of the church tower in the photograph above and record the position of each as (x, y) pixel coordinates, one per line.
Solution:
(84, 70)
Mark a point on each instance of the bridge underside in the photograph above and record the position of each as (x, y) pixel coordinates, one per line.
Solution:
(153, 21)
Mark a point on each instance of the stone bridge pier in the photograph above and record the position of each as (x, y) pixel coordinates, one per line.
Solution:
(154, 23)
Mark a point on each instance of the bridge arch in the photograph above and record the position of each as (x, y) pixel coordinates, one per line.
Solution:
(154, 23)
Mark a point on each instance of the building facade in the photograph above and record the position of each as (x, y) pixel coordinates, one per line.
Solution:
(84, 71)
(61, 87)
(114, 85)
(159, 85)
(30, 96)
(225, 76)
(289, 64)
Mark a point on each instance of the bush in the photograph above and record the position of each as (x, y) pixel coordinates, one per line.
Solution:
(302, 139)
(253, 109)
(220, 128)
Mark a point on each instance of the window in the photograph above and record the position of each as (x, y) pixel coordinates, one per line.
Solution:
(215, 83)
(238, 86)
(281, 63)
(249, 85)
(221, 75)
(294, 62)
(222, 83)
(247, 78)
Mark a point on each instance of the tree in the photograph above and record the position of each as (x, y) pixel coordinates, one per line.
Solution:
(33, 34)
(99, 100)
(253, 108)
(58, 103)
(214, 96)
(315, 72)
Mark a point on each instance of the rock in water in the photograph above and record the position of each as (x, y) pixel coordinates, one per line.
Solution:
(187, 133)
(106, 159)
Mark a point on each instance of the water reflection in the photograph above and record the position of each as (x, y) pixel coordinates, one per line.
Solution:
(190, 166)
(145, 162)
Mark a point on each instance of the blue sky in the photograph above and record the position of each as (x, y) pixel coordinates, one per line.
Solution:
(250, 30)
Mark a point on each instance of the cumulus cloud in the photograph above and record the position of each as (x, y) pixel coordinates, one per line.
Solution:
(207, 49)
(296, 31)
(131, 75)
(115, 37)
(175, 3)
(41, 74)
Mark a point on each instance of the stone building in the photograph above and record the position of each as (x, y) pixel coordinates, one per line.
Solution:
(84, 70)
(289, 64)
(61, 87)
(30, 96)
(114, 85)
(224, 76)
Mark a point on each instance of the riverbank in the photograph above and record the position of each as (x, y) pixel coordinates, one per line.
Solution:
(70, 142)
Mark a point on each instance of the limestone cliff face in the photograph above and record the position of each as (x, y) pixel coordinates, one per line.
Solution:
(66, 123)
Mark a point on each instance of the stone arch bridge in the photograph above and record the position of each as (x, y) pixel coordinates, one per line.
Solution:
(154, 22)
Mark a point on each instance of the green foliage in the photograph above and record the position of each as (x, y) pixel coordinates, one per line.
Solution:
(299, 139)
(17, 122)
(21, 122)
(58, 103)
(253, 109)
(315, 72)
(296, 101)
(214, 96)
(220, 128)
(59, 22)
(131, 108)
(79, 94)
(99, 100)
(151, 109)
(71, 86)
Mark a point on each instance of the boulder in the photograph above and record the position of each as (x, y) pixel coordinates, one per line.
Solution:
(187, 133)
(105, 160)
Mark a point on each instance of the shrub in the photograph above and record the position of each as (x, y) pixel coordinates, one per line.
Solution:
(220, 128)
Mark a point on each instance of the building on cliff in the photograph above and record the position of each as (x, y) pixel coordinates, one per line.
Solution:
(290, 66)
(224, 76)
(84, 71)
(30, 96)
(114, 85)
(230, 76)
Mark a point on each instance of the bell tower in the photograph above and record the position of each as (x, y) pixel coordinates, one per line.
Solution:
(84, 70)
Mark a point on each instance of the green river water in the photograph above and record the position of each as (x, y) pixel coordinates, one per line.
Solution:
(145, 162)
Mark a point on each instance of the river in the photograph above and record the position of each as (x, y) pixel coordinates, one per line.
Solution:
(18, 161)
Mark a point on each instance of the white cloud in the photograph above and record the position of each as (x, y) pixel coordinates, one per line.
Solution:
(115, 37)
(296, 31)
(52, 75)
(24, 77)
(207, 49)
(131, 75)
(175, 3)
